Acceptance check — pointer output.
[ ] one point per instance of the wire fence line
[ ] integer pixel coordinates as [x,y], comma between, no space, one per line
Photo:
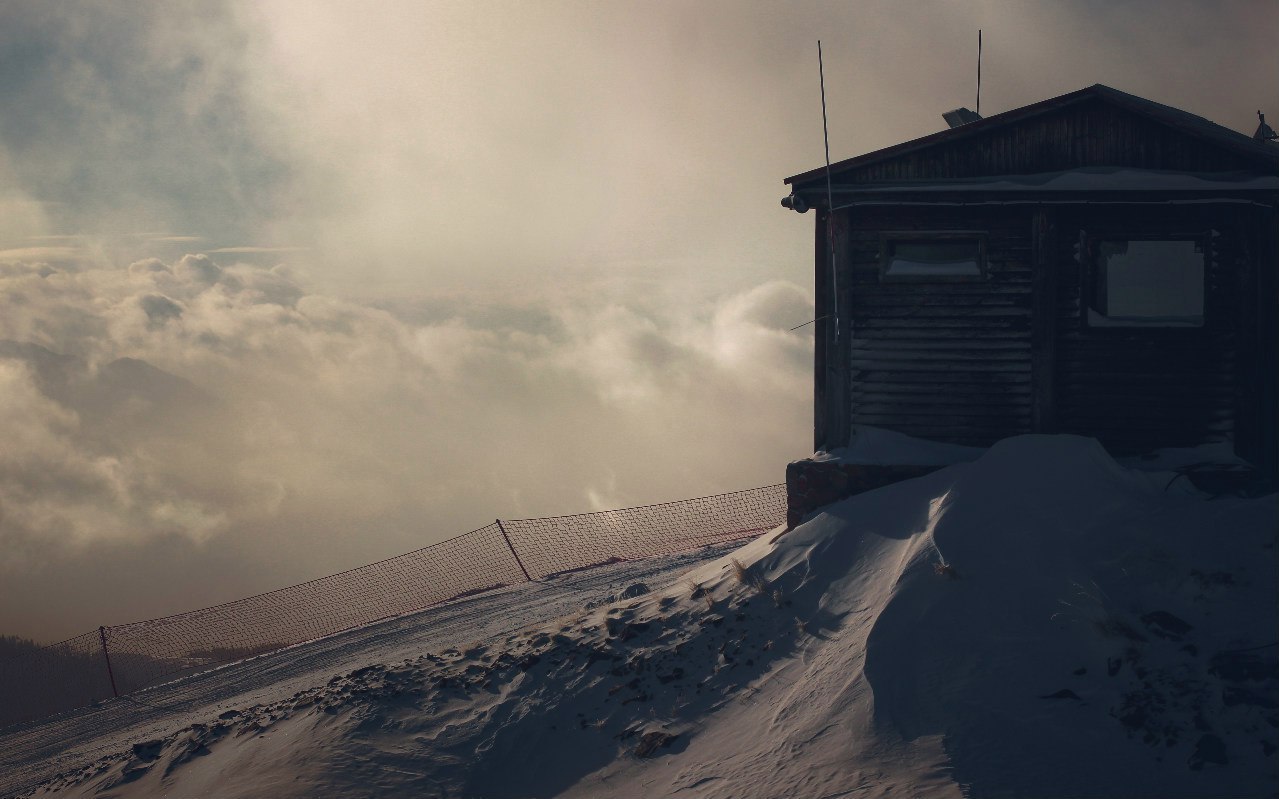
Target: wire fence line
[120,659]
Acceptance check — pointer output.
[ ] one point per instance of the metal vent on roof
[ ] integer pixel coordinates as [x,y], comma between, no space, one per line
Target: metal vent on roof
[1264,131]
[960,116]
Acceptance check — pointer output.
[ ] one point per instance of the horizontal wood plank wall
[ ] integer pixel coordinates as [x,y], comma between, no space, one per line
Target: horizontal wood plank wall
[948,361]
[1142,389]
[1263,449]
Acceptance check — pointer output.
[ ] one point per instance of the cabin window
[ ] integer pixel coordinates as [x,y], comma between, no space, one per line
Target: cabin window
[1147,283]
[933,256]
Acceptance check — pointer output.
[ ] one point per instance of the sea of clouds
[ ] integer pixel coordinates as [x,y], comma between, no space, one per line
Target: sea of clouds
[182,433]
[448,261]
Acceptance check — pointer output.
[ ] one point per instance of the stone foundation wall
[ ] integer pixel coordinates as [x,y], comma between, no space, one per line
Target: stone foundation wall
[811,484]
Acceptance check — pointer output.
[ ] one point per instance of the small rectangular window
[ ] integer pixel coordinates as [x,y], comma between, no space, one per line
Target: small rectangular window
[938,256]
[1147,283]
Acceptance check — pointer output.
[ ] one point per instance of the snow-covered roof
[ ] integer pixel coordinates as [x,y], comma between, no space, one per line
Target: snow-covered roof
[1263,156]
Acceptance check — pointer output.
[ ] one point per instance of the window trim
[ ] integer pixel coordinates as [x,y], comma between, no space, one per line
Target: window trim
[889,237]
[1089,245]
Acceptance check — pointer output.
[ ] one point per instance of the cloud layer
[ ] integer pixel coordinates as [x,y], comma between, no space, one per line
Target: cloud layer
[165,415]
[449,260]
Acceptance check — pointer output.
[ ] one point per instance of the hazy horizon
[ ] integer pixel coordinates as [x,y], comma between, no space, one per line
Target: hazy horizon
[292,287]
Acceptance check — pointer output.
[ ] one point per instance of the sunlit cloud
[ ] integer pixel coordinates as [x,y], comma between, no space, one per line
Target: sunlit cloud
[224,404]
[43,253]
[286,287]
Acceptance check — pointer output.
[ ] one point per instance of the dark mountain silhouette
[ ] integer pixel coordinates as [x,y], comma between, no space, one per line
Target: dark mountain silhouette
[125,391]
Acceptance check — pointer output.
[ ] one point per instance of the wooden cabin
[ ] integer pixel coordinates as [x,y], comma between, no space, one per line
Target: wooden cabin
[1095,263]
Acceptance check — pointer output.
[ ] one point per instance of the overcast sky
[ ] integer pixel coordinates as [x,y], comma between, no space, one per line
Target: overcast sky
[291,286]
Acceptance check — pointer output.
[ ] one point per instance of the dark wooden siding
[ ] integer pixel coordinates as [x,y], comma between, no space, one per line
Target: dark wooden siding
[1142,389]
[952,361]
[949,361]
[1088,134]
[974,362]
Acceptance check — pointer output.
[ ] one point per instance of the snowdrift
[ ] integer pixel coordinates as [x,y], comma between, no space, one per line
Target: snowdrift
[1039,622]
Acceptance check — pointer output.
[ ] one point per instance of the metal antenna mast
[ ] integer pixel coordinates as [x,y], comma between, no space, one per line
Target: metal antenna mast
[979,72]
[830,203]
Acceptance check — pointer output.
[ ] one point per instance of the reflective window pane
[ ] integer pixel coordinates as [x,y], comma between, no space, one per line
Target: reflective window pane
[1148,283]
[933,258]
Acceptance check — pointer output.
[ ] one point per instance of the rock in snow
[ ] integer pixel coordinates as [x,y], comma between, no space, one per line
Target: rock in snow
[1106,636]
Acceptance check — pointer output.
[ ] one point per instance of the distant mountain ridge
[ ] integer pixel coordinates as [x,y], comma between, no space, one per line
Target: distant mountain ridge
[123,389]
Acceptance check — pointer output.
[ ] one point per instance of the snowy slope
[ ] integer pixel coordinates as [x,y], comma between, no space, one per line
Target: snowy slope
[1039,622]
[32,752]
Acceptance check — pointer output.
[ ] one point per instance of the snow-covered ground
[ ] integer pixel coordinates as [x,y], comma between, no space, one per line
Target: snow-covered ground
[40,749]
[1038,622]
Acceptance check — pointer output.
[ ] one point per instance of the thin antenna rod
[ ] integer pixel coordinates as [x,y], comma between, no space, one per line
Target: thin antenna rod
[979,72]
[821,76]
[830,203]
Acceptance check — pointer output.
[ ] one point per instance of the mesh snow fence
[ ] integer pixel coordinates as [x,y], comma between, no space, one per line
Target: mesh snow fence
[559,544]
[110,661]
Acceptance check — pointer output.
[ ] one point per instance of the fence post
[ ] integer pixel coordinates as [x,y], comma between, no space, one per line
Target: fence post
[102,635]
[511,547]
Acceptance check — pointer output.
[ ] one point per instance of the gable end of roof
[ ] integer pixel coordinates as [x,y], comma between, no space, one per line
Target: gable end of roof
[1263,156]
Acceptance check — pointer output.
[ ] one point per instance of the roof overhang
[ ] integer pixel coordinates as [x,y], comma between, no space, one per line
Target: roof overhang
[1077,186]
